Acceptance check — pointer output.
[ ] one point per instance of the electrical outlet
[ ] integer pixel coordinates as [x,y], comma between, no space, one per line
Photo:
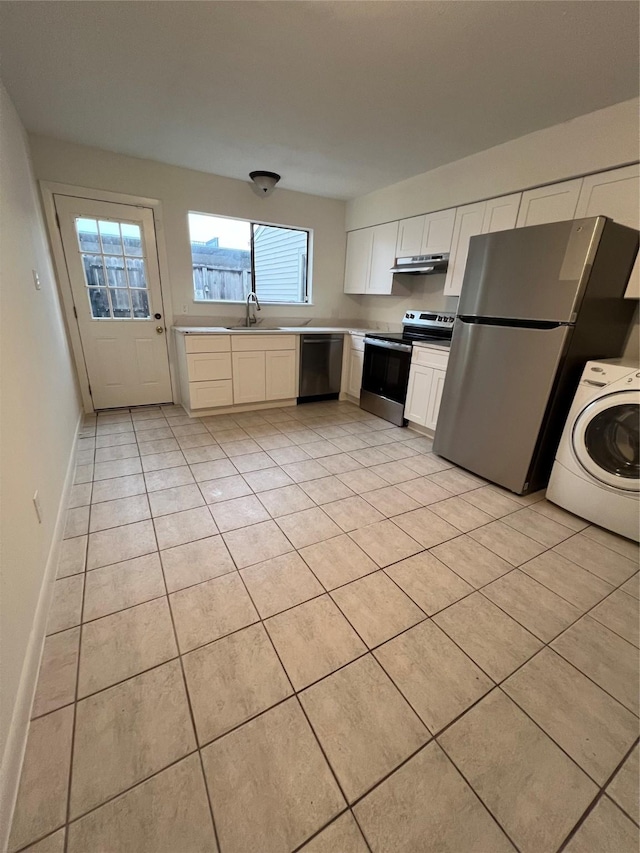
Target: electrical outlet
[38,507]
[36,279]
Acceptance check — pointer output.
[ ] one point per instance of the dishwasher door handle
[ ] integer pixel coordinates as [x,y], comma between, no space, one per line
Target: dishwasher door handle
[316,339]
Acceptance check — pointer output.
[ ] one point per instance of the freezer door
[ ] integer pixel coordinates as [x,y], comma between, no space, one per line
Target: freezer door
[534,273]
[498,387]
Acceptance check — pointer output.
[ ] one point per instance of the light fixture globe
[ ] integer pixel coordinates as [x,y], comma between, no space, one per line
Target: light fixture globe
[265,181]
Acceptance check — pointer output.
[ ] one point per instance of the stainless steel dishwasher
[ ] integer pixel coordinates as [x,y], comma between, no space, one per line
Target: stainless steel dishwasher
[320,367]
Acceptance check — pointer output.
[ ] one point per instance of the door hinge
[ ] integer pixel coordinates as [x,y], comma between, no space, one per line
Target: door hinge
[75,312]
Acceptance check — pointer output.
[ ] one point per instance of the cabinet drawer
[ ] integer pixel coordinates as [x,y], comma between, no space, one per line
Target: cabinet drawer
[208,365]
[207,343]
[357,342]
[262,343]
[208,395]
[428,357]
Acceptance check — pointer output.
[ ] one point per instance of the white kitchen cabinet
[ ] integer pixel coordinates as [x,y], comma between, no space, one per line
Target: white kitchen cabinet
[483,217]
[425,235]
[615,194]
[410,233]
[354,378]
[426,382]
[383,255]
[371,252]
[209,365]
[553,203]
[280,374]
[249,377]
[501,214]
[438,232]
[468,223]
[358,262]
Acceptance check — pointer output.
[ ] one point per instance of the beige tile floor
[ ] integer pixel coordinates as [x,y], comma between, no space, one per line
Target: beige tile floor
[299,629]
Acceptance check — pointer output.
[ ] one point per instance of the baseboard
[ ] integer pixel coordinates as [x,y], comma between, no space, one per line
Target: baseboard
[241,407]
[428,433]
[19,726]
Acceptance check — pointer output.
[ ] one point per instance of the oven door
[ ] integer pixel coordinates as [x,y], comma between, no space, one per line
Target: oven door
[385,378]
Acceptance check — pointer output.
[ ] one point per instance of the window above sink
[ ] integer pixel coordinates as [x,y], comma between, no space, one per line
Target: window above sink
[233,257]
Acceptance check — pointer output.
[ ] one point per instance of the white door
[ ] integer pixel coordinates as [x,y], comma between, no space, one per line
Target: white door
[435,398]
[554,203]
[280,375]
[111,258]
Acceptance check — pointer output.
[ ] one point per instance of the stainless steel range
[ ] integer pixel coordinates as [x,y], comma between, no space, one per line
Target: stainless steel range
[387,358]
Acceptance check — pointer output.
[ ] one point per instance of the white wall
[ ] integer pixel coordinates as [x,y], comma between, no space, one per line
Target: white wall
[600,140]
[38,419]
[181,190]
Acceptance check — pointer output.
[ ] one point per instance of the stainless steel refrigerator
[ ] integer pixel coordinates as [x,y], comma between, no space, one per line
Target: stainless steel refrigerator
[536,304]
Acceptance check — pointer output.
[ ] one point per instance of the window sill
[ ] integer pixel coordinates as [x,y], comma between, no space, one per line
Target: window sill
[244,302]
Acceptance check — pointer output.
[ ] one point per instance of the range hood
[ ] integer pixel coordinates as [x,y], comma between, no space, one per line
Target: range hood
[422,264]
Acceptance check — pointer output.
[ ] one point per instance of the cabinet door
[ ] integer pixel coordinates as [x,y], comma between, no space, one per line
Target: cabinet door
[409,236]
[280,376]
[615,194]
[208,395]
[356,362]
[383,255]
[554,203]
[468,223]
[501,214]
[438,232]
[358,262]
[208,365]
[418,394]
[435,397]
[249,385]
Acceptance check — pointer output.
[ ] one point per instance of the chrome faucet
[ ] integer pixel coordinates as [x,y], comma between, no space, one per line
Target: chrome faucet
[251,320]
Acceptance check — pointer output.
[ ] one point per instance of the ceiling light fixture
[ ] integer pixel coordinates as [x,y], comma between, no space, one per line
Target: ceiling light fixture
[265,181]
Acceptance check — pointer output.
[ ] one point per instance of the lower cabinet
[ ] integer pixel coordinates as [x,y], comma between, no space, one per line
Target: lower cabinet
[426,382]
[280,374]
[226,370]
[354,383]
[249,377]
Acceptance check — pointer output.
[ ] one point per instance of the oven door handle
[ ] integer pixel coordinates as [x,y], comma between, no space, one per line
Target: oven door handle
[374,342]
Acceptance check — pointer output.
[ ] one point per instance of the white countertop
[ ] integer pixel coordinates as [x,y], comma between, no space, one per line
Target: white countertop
[287,330]
[445,345]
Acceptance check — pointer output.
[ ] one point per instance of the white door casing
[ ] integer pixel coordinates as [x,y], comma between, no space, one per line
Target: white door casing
[126,356]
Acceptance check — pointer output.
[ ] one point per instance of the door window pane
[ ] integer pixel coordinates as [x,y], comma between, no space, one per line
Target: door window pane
[120,303]
[88,238]
[135,270]
[102,243]
[140,304]
[131,238]
[110,236]
[116,276]
[99,302]
[93,269]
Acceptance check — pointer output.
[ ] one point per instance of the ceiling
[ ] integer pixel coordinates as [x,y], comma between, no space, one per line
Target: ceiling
[339,97]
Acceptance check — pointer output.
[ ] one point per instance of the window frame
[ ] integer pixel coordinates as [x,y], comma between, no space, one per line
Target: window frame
[308,290]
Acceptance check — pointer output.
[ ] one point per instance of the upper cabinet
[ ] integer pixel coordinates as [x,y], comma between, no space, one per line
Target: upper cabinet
[371,253]
[358,262]
[425,235]
[549,204]
[615,194]
[497,214]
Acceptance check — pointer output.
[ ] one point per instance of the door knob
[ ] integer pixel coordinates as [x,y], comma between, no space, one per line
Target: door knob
[159,329]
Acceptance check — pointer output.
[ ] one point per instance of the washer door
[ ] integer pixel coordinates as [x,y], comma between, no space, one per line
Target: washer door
[606,440]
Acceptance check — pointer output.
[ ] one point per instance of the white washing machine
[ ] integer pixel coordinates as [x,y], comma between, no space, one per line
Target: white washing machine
[596,474]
